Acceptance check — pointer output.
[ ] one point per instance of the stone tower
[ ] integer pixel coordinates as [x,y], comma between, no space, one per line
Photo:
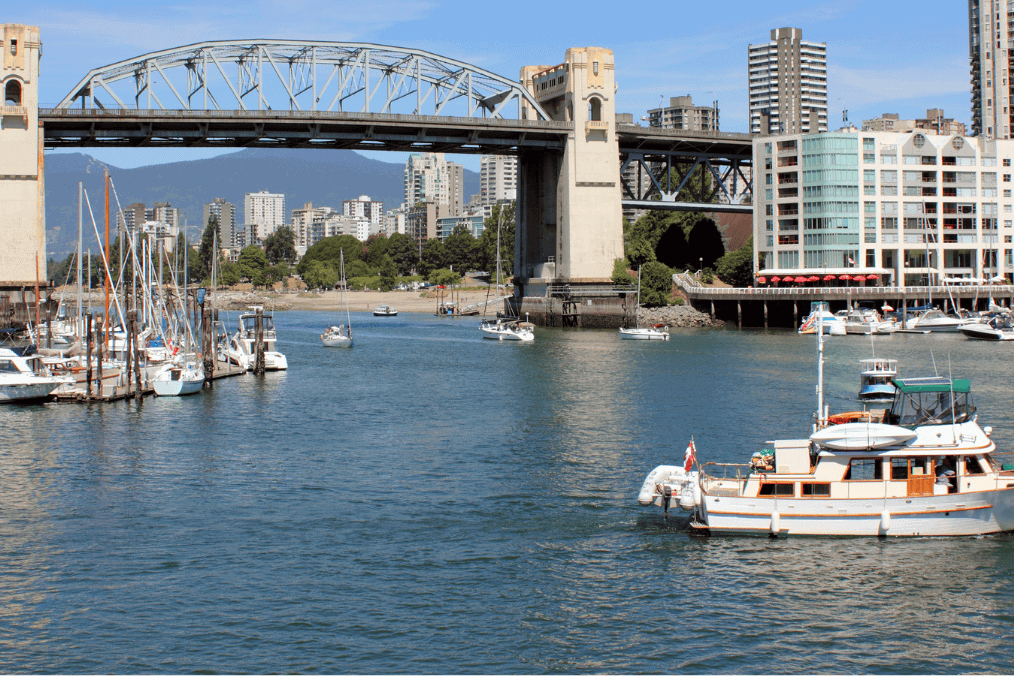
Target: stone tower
[22,198]
[570,227]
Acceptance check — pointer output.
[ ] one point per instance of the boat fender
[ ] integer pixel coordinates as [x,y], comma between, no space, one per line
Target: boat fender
[776,523]
[697,494]
[687,499]
[885,522]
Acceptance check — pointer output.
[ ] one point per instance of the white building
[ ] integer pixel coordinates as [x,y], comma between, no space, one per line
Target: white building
[907,207]
[788,84]
[264,212]
[683,114]
[394,221]
[306,223]
[431,178]
[364,207]
[225,212]
[168,214]
[498,178]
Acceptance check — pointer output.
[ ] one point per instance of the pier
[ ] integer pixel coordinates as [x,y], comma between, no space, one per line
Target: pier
[117,391]
[786,307]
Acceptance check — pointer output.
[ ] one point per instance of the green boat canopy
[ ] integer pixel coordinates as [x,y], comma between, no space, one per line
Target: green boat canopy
[936,384]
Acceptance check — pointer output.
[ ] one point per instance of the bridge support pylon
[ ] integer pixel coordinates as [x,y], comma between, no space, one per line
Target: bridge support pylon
[22,194]
[569,209]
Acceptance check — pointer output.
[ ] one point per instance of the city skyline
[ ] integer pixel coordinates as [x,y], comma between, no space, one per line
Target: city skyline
[866,76]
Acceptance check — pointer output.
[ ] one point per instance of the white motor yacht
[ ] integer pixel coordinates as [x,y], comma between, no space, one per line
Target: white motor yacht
[507,329]
[819,314]
[22,379]
[241,349]
[998,327]
[934,321]
[385,311]
[876,376]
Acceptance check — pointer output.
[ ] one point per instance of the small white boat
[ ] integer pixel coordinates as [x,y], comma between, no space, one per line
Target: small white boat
[861,436]
[241,348]
[998,327]
[21,379]
[654,332]
[833,325]
[340,336]
[178,380]
[507,329]
[385,311]
[875,376]
[934,321]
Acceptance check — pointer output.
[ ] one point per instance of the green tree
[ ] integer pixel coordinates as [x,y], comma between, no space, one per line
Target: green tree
[620,274]
[445,277]
[376,248]
[656,284]
[357,269]
[328,250]
[205,253]
[228,273]
[281,246]
[432,257]
[736,267]
[252,264]
[460,249]
[320,275]
[504,215]
[388,274]
[404,252]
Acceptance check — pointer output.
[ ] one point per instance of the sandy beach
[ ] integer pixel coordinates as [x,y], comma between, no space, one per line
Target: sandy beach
[362,301]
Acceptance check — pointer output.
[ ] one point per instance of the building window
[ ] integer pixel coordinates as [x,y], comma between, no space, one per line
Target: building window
[14,47]
[869,144]
[595,108]
[12,93]
[1006,162]
[1006,178]
[869,158]
[595,67]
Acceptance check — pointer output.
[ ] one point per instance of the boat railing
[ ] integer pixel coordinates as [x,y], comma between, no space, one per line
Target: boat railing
[725,469]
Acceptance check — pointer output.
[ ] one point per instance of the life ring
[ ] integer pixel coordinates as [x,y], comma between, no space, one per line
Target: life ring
[851,416]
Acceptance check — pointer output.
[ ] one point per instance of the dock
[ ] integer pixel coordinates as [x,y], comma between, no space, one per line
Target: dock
[117,392]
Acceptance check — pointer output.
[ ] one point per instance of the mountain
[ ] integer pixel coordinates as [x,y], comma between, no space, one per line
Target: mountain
[323,177]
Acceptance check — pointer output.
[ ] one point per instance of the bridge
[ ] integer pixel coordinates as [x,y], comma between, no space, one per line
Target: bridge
[577,166]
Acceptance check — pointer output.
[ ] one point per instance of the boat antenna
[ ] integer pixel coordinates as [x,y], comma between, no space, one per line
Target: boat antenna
[950,377]
[935,371]
[820,370]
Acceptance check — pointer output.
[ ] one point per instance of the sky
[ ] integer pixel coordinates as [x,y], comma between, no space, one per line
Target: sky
[900,57]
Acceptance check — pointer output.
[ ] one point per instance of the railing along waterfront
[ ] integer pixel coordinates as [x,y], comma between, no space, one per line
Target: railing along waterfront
[695,290]
[588,289]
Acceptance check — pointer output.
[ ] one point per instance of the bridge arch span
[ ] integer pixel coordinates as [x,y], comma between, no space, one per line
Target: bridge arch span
[302,75]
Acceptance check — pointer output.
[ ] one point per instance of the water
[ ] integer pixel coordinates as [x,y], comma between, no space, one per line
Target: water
[432,502]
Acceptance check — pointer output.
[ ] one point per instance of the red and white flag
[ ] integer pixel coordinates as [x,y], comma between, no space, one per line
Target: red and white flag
[852,262]
[689,456]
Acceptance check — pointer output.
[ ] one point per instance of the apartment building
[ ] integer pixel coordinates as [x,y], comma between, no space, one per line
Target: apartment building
[788,84]
[910,207]
[263,213]
[935,121]
[225,212]
[429,177]
[447,224]
[133,216]
[394,221]
[163,212]
[498,178]
[364,207]
[990,24]
[683,114]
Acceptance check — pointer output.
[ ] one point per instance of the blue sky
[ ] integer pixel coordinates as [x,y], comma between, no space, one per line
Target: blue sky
[901,57]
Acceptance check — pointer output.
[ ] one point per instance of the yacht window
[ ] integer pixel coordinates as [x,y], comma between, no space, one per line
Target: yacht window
[932,408]
[899,468]
[777,489]
[864,469]
[816,490]
[7,365]
[972,465]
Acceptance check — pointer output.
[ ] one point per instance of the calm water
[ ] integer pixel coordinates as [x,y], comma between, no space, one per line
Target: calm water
[433,502]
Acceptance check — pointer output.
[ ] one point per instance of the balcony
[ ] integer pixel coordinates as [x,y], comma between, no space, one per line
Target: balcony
[595,125]
[15,111]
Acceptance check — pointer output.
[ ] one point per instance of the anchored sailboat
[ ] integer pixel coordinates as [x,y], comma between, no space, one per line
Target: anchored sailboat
[340,336]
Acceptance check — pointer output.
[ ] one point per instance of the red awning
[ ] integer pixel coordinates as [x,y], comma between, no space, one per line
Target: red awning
[763,280]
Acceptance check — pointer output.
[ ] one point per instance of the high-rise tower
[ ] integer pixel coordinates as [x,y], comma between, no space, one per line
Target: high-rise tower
[989,37]
[788,84]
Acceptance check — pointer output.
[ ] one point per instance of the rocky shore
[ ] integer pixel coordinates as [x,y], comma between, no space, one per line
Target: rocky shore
[241,300]
[682,316]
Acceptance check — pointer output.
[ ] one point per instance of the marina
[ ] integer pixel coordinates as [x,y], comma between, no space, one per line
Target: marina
[283,524]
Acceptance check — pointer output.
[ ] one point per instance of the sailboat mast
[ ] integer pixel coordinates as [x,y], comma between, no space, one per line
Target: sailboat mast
[637,320]
[80,241]
[345,295]
[820,369]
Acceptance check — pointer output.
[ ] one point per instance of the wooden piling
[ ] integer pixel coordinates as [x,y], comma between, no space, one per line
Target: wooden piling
[99,339]
[208,346]
[712,310]
[739,313]
[88,353]
[765,314]
[259,342]
[129,348]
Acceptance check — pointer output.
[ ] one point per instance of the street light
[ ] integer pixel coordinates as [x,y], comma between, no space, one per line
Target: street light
[701,266]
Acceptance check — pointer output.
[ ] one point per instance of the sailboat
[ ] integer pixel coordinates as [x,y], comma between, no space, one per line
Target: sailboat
[340,336]
[656,332]
[504,328]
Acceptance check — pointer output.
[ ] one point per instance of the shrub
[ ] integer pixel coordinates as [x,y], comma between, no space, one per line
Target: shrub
[656,284]
[620,274]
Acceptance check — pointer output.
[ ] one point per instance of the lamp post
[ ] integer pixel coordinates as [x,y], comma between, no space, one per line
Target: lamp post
[700,267]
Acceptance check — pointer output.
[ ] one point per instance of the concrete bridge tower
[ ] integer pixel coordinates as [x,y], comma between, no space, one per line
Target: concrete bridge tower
[22,197]
[569,223]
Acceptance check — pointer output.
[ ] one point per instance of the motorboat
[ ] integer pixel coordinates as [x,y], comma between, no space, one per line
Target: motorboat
[341,335]
[385,311]
[923,467]
[833,325]
[507,329]
[935,321]
[998,327]
[653,332]
[875,379]
[241,349]
[179,379]
[866,321]
[22,379]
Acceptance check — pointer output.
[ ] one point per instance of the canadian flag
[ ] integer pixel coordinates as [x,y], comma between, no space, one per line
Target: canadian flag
[852,262]
[688,456]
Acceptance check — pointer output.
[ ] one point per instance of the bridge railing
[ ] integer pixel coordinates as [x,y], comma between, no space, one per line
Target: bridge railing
[588,289]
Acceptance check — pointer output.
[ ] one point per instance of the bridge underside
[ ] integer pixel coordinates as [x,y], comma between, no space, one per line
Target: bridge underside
[297,129]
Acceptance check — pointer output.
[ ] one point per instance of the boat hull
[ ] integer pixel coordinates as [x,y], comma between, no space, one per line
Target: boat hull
[643,334]
[177,388]
[340,341]
[26,392]
[985,332]
[521,336]
[957,514]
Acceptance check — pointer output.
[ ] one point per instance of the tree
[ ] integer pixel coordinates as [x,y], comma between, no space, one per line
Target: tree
[503,215]
[656,284]
[228,273]
[460,249]
[281,246]
[328,250]
[376,247]
[736,267]
[445,277]
[357,269]
[205,253]
[620,274]
[404,252]
[678,239]
[388,274]
[320,275]
[432,257]
[252,264]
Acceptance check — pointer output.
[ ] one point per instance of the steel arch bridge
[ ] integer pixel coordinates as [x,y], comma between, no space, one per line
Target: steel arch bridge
[301,75]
